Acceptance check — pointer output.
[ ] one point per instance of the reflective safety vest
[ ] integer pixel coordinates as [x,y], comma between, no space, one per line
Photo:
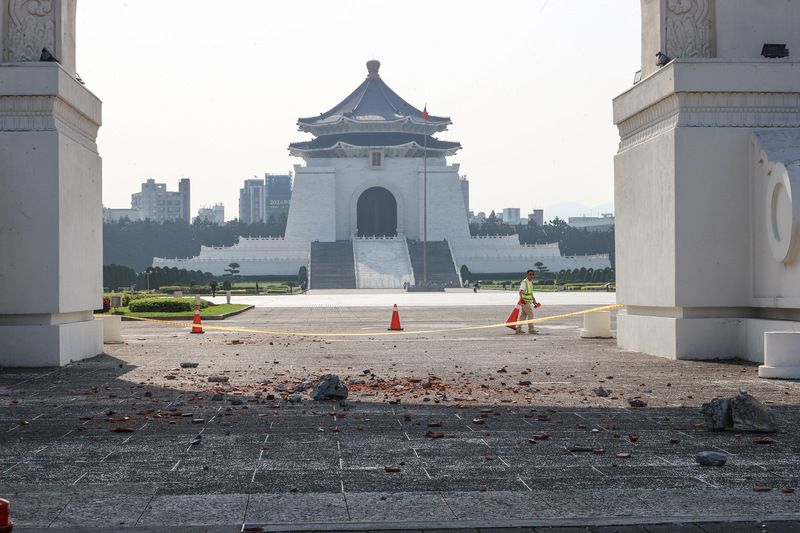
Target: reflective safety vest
[527,294]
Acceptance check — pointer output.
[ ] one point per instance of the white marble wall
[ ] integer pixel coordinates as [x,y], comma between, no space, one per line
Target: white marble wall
[447,214]
[312,213]
[50,171]
[256,256]
[326,195]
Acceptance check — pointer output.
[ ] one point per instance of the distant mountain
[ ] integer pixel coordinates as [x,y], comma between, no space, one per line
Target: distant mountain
[565,210]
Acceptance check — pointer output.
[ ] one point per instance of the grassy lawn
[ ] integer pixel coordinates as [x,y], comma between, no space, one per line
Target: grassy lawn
[214,310]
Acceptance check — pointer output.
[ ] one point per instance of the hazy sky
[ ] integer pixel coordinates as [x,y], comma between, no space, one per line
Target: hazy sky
[212,90]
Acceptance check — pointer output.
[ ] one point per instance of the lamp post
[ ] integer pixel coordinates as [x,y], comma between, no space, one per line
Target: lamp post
[425,199]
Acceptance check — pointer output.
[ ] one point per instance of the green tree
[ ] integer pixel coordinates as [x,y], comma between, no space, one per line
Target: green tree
[465,273]
[115,276]
[213,285]
[226,285]
[232,270]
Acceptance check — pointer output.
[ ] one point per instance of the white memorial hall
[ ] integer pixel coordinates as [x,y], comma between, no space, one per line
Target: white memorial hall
[357,216]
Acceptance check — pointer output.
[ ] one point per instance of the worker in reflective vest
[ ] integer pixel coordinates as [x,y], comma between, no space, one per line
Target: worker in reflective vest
[527,301]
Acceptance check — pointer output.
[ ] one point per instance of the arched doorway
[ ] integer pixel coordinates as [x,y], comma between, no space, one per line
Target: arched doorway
[376,213]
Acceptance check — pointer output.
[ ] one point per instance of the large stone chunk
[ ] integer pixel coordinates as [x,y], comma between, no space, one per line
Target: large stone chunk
[718,414]
[740,413]
[751,415]
[329,387]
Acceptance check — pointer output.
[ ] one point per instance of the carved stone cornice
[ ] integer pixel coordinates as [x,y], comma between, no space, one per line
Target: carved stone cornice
[711,110]
[650,122]
[47,113]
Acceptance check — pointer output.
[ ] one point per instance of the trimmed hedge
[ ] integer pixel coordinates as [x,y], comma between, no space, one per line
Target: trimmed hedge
[163,305]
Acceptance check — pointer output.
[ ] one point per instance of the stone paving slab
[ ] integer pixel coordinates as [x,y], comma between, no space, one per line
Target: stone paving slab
[322,465]
[749,526]
[194,509]
[95,510]
[297,508]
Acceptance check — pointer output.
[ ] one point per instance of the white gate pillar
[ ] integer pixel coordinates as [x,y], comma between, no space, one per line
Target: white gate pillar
[50,178]
[707,181]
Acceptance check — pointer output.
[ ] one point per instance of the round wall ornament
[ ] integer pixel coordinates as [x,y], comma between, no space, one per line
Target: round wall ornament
[783,214]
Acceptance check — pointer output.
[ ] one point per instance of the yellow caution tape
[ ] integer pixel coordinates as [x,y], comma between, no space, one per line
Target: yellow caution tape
[382,333]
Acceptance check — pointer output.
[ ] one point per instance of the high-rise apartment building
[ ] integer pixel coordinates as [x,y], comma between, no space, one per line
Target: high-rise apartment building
[251,201]
[265,200]
[277,196]
[510,215]
[537,217]
[156,203]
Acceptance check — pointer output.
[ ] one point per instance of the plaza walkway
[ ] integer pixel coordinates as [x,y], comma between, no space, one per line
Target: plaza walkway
[468,430]
[387,297]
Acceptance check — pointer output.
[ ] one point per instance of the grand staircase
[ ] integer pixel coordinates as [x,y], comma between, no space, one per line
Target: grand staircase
[441,270]
[382,263]
[332,265]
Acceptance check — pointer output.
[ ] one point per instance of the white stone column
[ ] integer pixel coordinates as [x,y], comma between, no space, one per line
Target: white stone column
[50,206]
[703,134]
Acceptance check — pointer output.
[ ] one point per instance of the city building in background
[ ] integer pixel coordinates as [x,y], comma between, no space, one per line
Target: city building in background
[277,196]
[215,215]
[480,218]
[156,203]
[251,201]
[113,215]
[604,222]
[510,216]
[537,217]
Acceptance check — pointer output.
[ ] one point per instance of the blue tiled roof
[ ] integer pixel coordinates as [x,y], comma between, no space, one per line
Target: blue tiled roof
[374,139]
[373,100]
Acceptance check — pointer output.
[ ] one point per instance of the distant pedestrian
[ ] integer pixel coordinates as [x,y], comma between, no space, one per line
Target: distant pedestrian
[528,301]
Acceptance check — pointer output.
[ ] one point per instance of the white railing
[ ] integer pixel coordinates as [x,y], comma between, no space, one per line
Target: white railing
[458,268]
[398,237]
[355,262]
[410,265]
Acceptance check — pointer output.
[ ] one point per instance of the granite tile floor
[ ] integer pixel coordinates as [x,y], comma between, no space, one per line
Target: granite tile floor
[114,444]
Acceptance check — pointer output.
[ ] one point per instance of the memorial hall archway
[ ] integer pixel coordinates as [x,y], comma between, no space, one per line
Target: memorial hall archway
[377,213]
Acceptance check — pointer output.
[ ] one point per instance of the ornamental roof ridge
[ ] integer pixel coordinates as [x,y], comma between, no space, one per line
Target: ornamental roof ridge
[372,101]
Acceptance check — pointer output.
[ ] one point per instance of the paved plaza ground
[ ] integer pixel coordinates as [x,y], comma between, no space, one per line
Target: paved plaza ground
[444,427]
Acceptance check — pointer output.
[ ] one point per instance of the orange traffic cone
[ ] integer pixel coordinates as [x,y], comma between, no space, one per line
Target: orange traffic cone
[395,325]
[6,525]
[514,316]
[197,326]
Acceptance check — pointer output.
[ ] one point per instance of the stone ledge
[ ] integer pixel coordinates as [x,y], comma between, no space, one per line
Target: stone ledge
[697,75]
